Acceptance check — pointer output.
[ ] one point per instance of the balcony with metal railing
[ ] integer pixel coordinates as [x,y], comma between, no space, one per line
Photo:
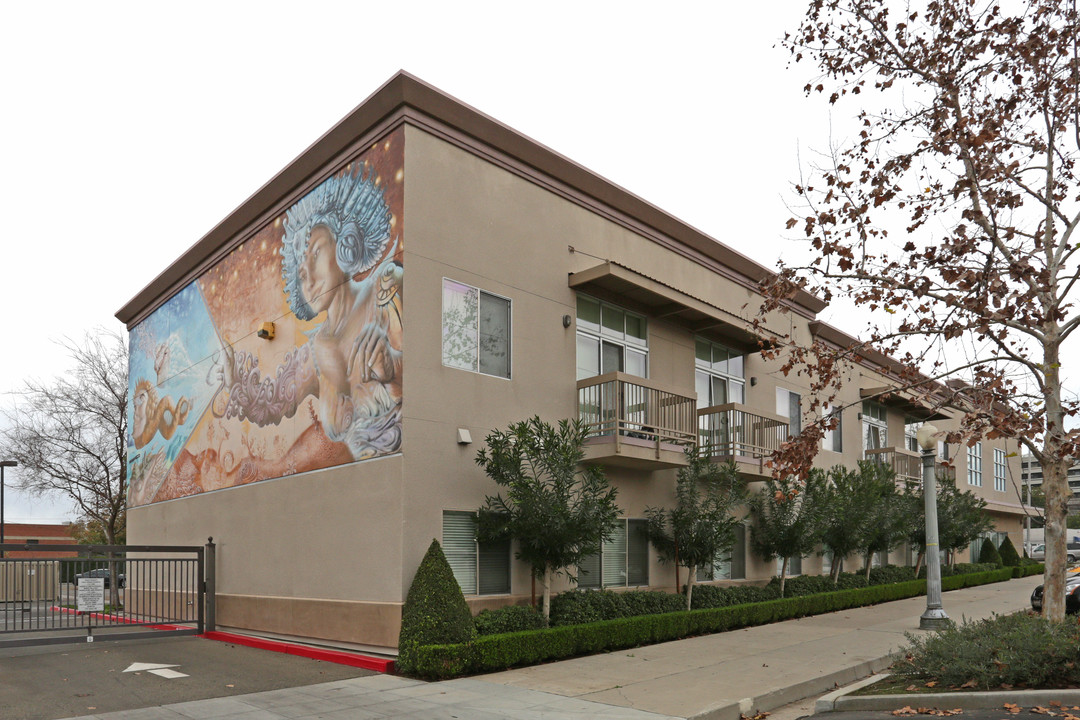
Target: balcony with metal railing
[736,432]
[635,422]
[907,464]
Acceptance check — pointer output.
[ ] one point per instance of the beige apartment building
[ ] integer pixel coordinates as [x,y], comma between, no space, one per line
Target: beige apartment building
[311,381]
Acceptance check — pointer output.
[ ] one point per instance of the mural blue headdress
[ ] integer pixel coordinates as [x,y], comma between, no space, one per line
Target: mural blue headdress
[353,209]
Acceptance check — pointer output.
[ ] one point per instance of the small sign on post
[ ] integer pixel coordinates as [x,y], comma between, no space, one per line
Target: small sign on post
[90,595]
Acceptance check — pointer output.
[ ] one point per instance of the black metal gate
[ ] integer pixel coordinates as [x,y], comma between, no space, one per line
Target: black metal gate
[73,593]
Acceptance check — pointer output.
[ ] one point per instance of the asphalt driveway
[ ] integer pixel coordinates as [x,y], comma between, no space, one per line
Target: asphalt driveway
[61,681]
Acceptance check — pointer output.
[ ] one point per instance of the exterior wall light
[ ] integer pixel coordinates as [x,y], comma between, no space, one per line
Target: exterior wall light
[266,331]
[566,320]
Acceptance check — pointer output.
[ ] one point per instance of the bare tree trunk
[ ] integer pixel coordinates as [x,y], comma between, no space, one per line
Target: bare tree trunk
[869,559]
[919,561]
[1055,484]
[834,573]
[783,576]
[690,577]
[547,593]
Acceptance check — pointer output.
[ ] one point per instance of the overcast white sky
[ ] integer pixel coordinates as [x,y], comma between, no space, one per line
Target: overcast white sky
[131,129]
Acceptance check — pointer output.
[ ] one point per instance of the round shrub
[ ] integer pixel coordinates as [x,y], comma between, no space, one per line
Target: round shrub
[1009,556]
[989,554]
[435,611]
[512,618]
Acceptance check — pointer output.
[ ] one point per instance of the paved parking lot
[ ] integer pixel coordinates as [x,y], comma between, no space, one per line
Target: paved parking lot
[61,681]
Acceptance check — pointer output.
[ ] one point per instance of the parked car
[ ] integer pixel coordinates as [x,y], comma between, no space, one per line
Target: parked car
[1039,552]
[1072,595]
[101,573]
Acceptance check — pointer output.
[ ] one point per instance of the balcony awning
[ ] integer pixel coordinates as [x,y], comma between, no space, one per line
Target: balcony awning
[615,282]
[905,403]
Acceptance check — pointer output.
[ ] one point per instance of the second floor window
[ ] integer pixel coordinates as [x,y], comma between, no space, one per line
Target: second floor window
[911,434]
[475,330]
[974,463]
[875,426]
[718,374]
[789,405]
[999,469]
[833,439]
[610,339]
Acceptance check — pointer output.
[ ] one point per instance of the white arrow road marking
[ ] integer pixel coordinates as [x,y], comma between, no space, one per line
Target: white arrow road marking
[156,669]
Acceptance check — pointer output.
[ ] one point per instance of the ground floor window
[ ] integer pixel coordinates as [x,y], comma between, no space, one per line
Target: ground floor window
[794,566]
[976,545]
[729,566]
[480,568]
[623,561]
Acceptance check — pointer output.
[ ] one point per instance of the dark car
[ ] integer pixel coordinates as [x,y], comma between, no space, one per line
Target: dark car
[101,573]
[1072,595]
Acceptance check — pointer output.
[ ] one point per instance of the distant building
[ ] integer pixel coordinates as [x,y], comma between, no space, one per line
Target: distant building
[1031,471]
[31,534]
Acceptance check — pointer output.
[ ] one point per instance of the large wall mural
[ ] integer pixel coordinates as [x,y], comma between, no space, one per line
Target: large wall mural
[212,405]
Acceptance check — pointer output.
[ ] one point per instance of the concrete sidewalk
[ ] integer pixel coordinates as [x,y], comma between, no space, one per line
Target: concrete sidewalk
[718,676]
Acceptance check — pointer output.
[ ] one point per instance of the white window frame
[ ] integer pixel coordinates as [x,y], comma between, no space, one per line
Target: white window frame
[477,365]
[601,334]
[1000,469]
[709,370]
[833,440]
[871,420]
[459,558]
[974,465]
[783,408]
[597,579]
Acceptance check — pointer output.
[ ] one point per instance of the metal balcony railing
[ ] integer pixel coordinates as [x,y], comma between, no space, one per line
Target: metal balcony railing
[735,430]
[626,408]
[906,464]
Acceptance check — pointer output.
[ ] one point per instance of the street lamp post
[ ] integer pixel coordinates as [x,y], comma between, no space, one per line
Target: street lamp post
[3,464]
[934,617]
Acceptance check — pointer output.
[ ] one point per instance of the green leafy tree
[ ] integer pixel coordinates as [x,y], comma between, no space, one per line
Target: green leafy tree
[961,518]
[886,520]
[558,511]
[700,526]
[88,531]
[847,507]
[787,519]
[435,611]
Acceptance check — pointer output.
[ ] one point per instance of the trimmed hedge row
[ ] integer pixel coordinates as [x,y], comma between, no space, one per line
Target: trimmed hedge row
[497,652]
[1020,571]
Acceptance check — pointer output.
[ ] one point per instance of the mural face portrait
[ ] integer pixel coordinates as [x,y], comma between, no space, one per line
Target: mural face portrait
[319,272]
[214,407]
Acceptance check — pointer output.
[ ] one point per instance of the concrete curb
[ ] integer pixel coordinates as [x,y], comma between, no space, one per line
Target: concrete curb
[799,691]
[841,701]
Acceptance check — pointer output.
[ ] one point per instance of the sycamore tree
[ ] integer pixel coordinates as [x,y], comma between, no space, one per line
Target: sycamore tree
[787,519]
[950,212]
[557,510]
[700,528]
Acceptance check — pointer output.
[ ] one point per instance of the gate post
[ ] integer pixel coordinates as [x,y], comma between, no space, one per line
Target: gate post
[211,585]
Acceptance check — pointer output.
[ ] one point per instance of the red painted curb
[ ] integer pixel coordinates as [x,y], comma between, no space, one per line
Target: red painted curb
[340,657]
[114,618]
